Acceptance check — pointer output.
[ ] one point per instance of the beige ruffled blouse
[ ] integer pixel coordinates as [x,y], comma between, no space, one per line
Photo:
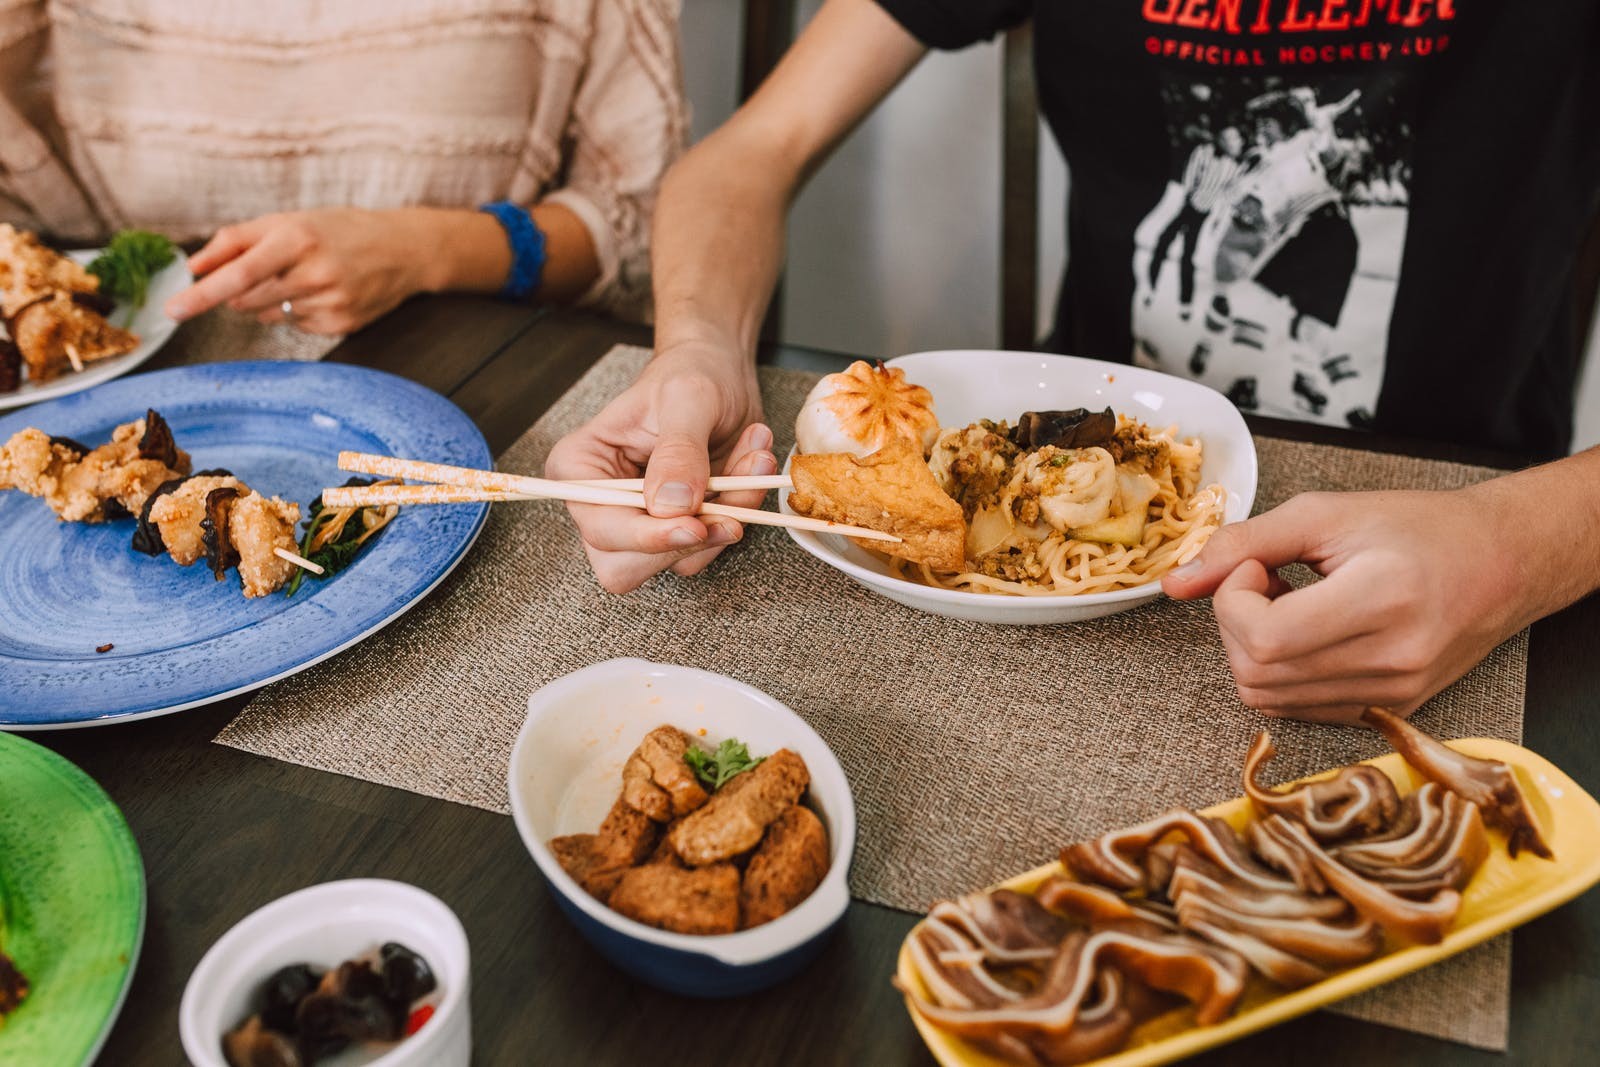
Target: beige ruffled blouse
[185,115]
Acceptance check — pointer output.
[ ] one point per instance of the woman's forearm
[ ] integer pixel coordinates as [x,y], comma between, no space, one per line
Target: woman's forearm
[467,251]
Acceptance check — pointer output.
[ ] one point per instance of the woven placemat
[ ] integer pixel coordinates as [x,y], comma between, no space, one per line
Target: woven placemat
[223,335]
[973,751]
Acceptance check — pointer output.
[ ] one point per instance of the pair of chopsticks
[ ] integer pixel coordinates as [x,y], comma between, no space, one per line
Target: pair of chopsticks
[461,485]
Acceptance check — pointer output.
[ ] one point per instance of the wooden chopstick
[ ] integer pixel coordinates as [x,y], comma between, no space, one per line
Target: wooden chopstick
[721,484]
[494,486]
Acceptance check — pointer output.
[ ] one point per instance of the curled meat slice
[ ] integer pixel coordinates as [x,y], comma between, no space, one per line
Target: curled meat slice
[1114,859]
[1444,847]
[1007,926]
[1212,979]
[953,968]
[1191,870]
[1354,800]
[1423,921]
[1489,784]
[1095,905]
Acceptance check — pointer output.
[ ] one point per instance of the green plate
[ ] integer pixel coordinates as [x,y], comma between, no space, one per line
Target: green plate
[71,906]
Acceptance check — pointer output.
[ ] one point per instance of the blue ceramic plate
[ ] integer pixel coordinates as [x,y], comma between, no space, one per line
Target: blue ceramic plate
[179,638]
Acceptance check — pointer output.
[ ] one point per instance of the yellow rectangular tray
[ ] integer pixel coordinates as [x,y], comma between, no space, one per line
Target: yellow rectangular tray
[1503,894]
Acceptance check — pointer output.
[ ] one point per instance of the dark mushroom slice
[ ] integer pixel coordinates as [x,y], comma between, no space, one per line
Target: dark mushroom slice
[253,1045]
[220,551]
[406,976]
[68,443]
[282,993]
[1078,428]
[10,366]
[101,304]
[147,535]
[348,1005]
[157,442]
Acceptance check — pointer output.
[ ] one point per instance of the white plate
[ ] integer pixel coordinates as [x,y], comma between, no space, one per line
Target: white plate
[969,385]
[150,323]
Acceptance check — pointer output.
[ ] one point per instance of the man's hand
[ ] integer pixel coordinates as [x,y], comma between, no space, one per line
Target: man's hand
[691,410]
[1417,587]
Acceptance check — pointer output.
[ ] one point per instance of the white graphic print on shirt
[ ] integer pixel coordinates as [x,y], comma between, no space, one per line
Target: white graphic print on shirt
[1268,267]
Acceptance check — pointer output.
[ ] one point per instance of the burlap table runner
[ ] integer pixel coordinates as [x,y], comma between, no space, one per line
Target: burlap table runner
[222,335]
[973,751]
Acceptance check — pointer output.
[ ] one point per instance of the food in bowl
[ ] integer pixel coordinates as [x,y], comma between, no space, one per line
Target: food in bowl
[862,408]
[1059,503]
[303,1015]
[1329,874]
[702,842]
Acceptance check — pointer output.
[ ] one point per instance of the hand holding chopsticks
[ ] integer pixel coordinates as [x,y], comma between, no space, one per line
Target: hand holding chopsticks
[455,485]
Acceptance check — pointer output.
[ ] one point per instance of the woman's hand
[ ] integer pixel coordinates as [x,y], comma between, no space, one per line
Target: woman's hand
[340,267]
[1417,587]
[693,409]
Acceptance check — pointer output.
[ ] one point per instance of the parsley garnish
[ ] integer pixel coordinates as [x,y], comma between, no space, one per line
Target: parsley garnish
[715,768]
[129,262]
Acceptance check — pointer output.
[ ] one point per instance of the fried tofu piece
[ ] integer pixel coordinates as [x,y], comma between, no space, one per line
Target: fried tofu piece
[891,490]
[94,485]
[740,812]
[28,268]
[33,463]
[786,868]
[597,861]
[56,334]
[257,525]
[178,513]
[702,901]
[657,781]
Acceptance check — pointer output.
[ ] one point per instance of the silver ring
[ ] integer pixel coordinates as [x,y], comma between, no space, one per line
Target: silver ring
[287,307]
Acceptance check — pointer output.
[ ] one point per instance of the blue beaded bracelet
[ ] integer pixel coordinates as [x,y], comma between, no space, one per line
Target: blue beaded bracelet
[527,248]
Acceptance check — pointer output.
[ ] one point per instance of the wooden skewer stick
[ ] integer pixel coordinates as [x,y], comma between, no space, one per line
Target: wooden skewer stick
[496,486]
[721,484]
[74,357]
[298,560]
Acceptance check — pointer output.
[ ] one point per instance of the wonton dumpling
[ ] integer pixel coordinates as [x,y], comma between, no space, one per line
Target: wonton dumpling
[863,408]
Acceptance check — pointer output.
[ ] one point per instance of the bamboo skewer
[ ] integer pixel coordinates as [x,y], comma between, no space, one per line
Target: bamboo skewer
[495,486]
[298,560]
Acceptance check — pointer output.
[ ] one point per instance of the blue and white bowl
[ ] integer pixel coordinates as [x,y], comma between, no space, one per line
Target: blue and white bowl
[566,772]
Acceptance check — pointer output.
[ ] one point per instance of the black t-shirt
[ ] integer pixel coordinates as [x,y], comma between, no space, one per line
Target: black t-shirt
[1362,212]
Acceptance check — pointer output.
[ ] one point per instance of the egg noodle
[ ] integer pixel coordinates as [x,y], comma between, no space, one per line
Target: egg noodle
[1181,518]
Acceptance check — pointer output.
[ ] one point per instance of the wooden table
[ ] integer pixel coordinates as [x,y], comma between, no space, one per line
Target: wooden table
[224,832]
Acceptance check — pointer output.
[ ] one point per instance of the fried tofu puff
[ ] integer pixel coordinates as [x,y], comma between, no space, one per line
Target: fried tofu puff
[735,818]
[657,781]
[786,869]
[56,334]
[177,514]
[597,861]
[95,484]
[257,526]
[700,901]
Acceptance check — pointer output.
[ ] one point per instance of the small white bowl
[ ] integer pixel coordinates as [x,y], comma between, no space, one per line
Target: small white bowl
[566,772]
[325,925]
[972,385]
